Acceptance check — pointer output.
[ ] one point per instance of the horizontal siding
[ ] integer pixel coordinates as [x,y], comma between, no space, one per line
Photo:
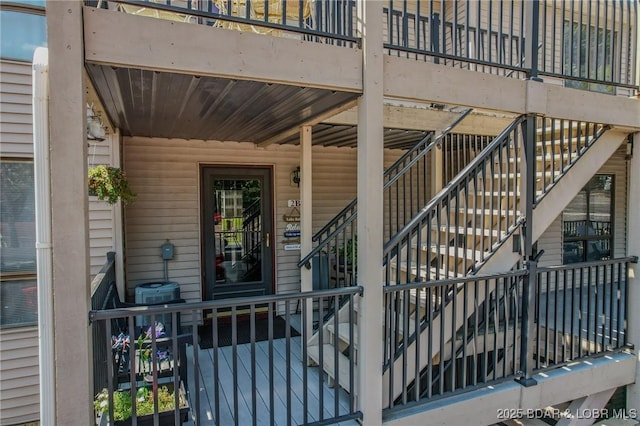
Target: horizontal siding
[165,174]
[19,382]
[16,129]
[551,240]
[101,214]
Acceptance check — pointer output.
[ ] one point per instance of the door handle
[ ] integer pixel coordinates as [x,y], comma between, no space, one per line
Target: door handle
[267,239]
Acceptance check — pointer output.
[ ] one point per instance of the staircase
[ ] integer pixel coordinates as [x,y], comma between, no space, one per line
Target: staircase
[470,227]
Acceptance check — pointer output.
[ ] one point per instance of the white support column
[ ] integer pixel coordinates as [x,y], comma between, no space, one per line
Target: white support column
[69,213]
[370,217]
[633,249]
[306,219]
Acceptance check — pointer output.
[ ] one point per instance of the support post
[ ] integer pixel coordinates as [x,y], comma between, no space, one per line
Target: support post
[69,215]
[306,219]
[633,249]
[531,38]
[370,216]
[530,285]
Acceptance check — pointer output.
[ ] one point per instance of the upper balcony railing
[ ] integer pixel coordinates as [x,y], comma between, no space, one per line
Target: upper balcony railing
[321,21]
[590,45]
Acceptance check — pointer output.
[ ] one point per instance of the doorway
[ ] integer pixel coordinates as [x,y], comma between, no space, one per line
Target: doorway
[237,222]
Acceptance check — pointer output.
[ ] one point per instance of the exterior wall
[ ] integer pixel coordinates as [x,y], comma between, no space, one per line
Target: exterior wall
[19,393]
[551,240]
[16,130]
[102,223]
[165,175]
[19,382]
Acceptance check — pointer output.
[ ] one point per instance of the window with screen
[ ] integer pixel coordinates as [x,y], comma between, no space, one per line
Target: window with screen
[18,290]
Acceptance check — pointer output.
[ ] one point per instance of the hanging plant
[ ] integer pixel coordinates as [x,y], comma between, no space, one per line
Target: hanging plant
[110,184]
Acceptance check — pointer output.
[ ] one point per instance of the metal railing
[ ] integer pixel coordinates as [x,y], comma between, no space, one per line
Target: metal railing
[406,191]
[464,222]
[581,310]
[101,287]
[472,335]
[247,366]
[321,21]
[592,45]
[559,144]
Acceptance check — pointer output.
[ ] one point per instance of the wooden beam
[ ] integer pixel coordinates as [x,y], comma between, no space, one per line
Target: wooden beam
[311,122]
[131,41]
[413,118]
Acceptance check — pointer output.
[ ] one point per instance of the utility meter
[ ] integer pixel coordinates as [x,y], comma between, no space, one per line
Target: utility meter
[167,251]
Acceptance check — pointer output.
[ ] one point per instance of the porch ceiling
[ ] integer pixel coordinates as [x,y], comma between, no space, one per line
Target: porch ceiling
[346,135]
[172,105]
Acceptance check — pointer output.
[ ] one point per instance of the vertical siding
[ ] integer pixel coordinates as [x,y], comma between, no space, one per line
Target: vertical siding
[165,174]
[551,240]
[19,392]
[16,130]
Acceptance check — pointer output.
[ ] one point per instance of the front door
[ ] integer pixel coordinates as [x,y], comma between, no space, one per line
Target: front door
[237,231]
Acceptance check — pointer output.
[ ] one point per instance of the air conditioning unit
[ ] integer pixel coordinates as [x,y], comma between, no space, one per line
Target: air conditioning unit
[155,293]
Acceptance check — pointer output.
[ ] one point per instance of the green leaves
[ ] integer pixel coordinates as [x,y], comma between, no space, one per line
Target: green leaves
[110,184]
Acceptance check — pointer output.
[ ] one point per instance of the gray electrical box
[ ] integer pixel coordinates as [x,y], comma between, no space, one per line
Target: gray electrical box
[167,251]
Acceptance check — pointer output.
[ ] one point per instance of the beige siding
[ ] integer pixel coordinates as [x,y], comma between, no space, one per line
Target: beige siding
[165,174]
[19,393]
[19,375]
[551,240]
[16,134]
[101,214]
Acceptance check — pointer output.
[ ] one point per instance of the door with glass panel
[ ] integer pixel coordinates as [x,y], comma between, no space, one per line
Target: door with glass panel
[237,232]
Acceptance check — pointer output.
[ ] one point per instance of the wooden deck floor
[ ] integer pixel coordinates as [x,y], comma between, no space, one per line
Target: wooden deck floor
[332,399]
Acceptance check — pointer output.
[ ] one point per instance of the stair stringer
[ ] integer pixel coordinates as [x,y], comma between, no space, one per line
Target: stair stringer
[503,258]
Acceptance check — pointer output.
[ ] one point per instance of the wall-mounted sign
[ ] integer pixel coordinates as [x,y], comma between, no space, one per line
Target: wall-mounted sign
[289,247]
[293,226]
[294,203]
[290,234]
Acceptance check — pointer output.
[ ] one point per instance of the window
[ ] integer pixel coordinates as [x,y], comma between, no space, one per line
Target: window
[20,34]
[587,222]
[18,295]
[587,54]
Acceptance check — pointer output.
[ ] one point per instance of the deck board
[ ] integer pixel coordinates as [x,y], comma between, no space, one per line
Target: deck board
[263,401]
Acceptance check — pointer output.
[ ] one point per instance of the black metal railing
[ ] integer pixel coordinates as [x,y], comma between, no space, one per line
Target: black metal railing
[592,45]
[461,226]
[102,287]
[406,191]
[247,365]
[469,335]
[321,21]
[581,310]
[458,150]
[559,144]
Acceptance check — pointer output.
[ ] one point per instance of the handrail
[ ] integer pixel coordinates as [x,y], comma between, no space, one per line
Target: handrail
[95,315]
[317,249]
[300,28]
[398,169]
[425,151]
[329,224]
[453,183]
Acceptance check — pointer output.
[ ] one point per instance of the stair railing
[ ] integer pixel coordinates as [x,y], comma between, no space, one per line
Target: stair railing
[406,192]
[460,226]
[559,144]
